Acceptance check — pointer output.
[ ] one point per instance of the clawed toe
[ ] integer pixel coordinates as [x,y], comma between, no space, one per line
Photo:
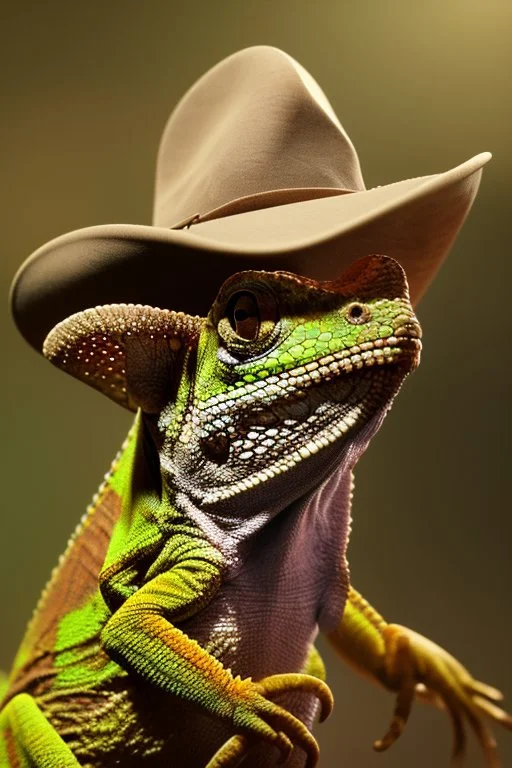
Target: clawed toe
[257,718]
[286,683]
[416,666]
[231,754]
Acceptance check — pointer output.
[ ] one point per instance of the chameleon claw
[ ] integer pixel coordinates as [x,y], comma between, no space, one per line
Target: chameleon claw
[286,748]
[466,702]
[494,712]
[487,691]
[418,667]
[259,718]
[459,735]
[403,707]
[236,749]
[301,735]
[399,666]
[231,754]
[276,684]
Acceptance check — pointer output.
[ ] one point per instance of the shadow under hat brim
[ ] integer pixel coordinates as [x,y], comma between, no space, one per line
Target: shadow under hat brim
[415,221]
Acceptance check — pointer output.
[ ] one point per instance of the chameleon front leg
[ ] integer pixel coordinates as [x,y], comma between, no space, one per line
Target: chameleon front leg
[142,636]
[27,740]
[410,664]
[234,751]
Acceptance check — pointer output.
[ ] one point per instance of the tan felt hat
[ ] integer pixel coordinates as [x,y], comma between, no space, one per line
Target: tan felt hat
[254,172]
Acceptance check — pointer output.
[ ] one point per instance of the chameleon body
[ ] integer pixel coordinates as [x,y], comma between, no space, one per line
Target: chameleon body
[179,627]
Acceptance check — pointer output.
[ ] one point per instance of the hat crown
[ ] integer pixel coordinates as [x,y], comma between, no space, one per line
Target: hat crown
[255,123]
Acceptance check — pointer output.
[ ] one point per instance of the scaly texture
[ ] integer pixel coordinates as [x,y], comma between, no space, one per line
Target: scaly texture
[178,628]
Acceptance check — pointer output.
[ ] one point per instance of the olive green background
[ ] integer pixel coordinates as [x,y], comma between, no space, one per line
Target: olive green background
[420,87]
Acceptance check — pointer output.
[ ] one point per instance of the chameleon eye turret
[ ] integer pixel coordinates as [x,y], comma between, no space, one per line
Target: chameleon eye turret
[247,322]
[357,313]
[244,316]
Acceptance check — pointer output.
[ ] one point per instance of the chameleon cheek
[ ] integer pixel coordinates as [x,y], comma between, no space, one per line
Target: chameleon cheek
[216,447]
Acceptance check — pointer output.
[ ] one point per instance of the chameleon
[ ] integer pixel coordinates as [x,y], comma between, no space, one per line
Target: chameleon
[178,628]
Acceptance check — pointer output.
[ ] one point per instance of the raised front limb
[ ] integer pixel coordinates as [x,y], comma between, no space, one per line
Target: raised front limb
[142,636]
[410,664]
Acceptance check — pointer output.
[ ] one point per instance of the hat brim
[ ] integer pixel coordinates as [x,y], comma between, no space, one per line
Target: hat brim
[414,221]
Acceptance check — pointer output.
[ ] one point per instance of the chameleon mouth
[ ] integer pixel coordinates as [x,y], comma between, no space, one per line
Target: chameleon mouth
[304,410]
[284,393]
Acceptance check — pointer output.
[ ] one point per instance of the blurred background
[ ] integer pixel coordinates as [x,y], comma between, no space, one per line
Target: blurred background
[420,87]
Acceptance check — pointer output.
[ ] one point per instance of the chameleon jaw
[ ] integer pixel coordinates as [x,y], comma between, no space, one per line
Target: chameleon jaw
[404,348]
[293,390]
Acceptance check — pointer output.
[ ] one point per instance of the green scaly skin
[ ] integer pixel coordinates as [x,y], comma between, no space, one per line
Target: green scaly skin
[191,593]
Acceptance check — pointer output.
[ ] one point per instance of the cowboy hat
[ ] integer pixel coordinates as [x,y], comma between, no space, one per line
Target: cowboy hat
[254,171]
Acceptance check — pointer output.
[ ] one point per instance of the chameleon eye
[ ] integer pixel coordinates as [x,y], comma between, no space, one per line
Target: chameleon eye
[244,316]
[357,313]
[248,322]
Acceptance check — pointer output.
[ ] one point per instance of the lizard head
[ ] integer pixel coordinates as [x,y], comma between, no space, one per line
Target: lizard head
[288,371]
[285,376]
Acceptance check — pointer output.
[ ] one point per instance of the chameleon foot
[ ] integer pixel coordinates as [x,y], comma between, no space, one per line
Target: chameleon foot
[296,681]
[259,718]
[416,666]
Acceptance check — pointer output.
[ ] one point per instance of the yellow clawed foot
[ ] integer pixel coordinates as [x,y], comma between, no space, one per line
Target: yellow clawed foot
[416,666]
[255,716]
